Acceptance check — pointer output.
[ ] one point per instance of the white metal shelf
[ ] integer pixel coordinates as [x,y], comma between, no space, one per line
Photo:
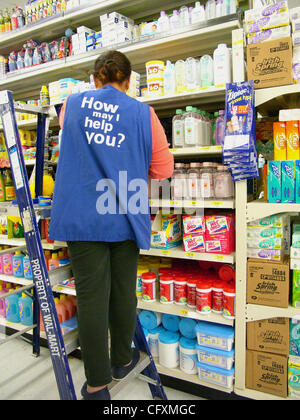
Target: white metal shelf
[87,14]
[259,312]
[4,240]
[271,100]
[256,395]
[196,204]
[258,209]
[179,374]
[173,47]
[178,252]
[198,151]
[183,311]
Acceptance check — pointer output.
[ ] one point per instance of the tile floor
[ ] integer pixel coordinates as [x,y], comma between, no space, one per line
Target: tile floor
[25,377]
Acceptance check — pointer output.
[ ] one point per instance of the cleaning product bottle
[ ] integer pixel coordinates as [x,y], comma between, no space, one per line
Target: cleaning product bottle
[222,65]
[7,264]
[2,301]
[12,308]
[220,127]
[2,188]
[184,16]
[17,260]
[169,78]
[207,71]
[53,261]
[68,306]
[191,74]
[198,13]
[219,8]
[47,254]
[232,6]
[163,23]
[7,21]
[213,140]
[37,57]
[226,7]
[14,19]
[25,309]
[190,127]
[175,20]
[178,129]
[61,311]
[27,268]
[180,76]
[44,96]
[210,9]
[2,24]
[10,192]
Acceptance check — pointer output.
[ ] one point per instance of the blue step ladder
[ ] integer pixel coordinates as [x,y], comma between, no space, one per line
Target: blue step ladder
[145,369]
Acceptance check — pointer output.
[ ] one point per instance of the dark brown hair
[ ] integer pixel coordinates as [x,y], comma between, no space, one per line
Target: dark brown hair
[112,66]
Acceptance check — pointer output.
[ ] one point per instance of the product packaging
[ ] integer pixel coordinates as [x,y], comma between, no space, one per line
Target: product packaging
[166,231]
[270,63]
[269,335]
[268,282]
[266,372]
[268,35]
[239,147]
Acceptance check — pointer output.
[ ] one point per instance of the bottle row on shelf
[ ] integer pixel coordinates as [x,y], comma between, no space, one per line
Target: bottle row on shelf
[201,180]
[203,287]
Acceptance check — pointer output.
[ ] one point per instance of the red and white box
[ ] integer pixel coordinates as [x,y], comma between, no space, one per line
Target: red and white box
[219,234]
[193,225]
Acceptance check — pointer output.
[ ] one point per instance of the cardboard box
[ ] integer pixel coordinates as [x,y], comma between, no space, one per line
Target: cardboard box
[267,372]
[270,63]
[269,335]
[268,282]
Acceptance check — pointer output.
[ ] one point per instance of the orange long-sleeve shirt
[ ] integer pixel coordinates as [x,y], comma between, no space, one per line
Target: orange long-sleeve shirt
[162,161]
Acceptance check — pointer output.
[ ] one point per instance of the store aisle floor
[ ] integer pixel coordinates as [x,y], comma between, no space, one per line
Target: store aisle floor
[24,377]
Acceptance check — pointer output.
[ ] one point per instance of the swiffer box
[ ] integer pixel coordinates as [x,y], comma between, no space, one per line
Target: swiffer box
[269,335]
[270,63]
[267,372]
[268,282]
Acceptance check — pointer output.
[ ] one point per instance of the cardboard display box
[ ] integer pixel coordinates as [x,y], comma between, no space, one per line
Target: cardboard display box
[268,282]
[269,335]
[270,63]
[267,372]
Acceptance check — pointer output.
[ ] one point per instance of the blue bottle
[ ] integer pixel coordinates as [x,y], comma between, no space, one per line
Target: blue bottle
[17,260]
[12,309]
[27,268]
[25,310]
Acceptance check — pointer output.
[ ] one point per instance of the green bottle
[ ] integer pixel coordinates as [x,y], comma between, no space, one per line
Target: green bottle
[2,188]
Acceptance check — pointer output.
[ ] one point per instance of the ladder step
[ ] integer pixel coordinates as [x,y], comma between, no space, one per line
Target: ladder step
[116,386]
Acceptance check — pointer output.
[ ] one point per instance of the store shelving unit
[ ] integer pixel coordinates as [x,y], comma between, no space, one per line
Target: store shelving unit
[178,252]
[192,42]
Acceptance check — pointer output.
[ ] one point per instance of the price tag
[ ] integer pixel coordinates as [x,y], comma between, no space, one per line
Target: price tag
[204,87]
[218,148]
[217,203]
[219,86]
[219,257]
[193,203]
[205,148]
[190,254]
[165,252]
[173,150]
[175,203]
[184,312]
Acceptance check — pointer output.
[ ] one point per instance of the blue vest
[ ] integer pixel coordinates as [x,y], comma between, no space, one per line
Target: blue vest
[105,154]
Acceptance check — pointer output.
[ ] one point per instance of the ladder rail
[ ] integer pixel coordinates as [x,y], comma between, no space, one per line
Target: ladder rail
[34,246]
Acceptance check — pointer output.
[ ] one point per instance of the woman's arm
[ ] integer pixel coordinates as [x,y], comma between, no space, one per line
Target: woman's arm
[162,162]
